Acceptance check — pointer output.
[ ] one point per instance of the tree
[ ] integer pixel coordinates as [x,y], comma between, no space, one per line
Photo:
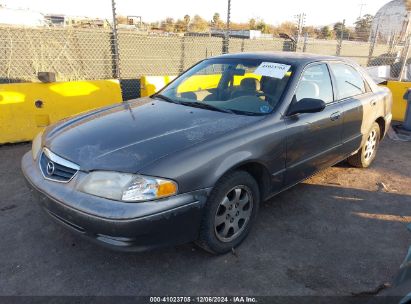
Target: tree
[363,27]
[326,33]
[199,24]
[262,26]
[341,29]
[217,23]
[167,25]
[252,24]
[187,20]
[155,25]
[289,28]
[180,26]
[238,26]
[311,31]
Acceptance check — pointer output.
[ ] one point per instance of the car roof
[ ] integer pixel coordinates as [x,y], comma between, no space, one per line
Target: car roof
[299,59]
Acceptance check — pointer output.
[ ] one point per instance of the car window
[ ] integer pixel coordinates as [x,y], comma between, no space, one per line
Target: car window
[349,82]
[315,83]
[239,86]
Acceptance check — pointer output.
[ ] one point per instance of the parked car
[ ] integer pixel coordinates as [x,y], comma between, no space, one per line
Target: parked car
[194,161]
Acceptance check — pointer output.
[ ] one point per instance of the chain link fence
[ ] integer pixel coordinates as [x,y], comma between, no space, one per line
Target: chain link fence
[87,54]
[72,54]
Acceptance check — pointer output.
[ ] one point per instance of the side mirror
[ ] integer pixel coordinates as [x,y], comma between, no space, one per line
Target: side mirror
[306,105]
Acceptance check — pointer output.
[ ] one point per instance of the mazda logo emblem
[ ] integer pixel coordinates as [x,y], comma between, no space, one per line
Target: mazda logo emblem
[50,168]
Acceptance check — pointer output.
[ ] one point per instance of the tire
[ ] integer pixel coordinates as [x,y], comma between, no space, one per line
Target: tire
[366,155]
[230,212]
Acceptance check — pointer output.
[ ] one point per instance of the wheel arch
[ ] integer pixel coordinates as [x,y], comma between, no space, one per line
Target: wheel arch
[258,171]
[381,122]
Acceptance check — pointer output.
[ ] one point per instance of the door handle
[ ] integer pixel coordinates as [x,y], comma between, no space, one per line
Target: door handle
[335,116]
[373,102]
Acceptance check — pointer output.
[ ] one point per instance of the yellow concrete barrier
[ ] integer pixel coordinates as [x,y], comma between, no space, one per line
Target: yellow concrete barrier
[152,84]
[399,105]
[26,108]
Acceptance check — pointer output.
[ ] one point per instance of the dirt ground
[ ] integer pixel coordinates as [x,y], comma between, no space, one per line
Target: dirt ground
[343,231]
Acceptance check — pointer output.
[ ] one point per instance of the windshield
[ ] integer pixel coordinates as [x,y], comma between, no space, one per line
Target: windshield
[240,86]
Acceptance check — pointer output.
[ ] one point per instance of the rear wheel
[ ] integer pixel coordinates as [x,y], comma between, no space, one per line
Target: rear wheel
[366,155]
[230,212]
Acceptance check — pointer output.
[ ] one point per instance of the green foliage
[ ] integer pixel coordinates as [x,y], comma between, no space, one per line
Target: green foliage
[288,27]
[187,20]
[263,27]
[167,25]
[252,24]
[363,27]
[180,26]
[325,33]
[217,23]
[199,25]
[340,30]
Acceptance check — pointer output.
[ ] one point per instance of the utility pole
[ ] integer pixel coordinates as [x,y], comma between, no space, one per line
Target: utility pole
[116,67]
[340,42]
[226,42]
[300,26]
[362,5]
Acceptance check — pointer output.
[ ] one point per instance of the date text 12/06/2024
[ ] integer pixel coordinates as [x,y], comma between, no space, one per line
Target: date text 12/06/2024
[239,299]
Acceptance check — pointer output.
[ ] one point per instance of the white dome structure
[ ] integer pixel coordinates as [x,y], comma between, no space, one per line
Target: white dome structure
[21,17]
[392,21]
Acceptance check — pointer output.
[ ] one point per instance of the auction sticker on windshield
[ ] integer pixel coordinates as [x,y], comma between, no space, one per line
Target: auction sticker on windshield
[271,69]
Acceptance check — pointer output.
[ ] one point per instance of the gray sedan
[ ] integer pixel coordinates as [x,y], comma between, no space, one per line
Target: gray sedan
[194,161]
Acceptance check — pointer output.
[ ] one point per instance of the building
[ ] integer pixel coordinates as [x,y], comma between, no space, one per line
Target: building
[392,22]
[73,21]
[86,22]
[55,20]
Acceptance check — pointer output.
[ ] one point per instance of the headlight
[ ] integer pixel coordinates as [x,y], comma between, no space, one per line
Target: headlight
[127,187]
[36,145]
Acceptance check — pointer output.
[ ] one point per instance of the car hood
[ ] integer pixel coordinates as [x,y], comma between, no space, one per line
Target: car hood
[130,136]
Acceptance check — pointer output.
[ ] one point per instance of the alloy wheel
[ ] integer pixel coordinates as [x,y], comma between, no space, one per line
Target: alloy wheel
[370,145]
[233,213]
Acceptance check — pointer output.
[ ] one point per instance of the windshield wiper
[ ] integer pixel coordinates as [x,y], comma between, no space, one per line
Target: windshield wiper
[207,106]
[203,105]
[165,98]
[240,112]
[355,86]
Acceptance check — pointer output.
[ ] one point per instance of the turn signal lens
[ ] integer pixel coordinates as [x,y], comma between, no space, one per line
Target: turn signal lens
[166,188]
[127,187]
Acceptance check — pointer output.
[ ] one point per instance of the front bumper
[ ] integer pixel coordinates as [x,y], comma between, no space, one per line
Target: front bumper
[118,225]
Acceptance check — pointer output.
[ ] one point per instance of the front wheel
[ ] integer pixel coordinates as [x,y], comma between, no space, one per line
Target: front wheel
[366,155]
[230,212]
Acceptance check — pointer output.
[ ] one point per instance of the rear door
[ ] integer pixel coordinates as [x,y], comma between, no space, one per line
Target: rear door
[358,104]
[313,139]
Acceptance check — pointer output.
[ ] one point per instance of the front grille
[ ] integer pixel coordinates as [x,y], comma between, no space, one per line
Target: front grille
[56,168]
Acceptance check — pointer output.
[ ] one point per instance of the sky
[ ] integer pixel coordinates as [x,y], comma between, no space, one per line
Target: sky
[319,12]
